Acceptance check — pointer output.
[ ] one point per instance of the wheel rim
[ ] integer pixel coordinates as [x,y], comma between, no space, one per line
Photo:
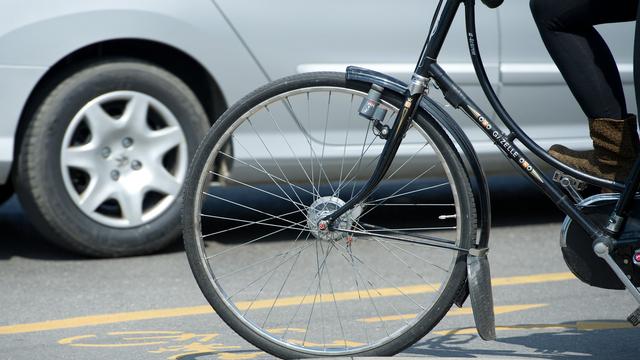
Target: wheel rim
[124,159]
[310,202]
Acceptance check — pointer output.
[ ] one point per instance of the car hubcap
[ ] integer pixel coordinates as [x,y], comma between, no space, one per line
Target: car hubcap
[124,158]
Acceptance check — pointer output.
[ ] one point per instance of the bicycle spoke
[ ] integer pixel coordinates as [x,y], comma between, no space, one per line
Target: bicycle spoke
[247,207]
[288,145]
[299,203]
[411,253]
[246,223]
[271,176]
[284,282]
[270,273]
[313,153]
[252,265]
[395,193]
[263,170]
[254,240]
[335,303]
[383,278]
[266,147]
[373,287]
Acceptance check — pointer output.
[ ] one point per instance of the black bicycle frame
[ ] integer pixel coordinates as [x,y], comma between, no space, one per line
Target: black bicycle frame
[427,68]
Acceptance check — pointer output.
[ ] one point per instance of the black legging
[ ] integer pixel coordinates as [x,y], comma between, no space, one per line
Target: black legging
[584,59]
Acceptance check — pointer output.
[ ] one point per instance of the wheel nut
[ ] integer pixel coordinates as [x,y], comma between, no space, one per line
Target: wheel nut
[322,225]
[115,175]
[136,165]
[106,152]
[127,142]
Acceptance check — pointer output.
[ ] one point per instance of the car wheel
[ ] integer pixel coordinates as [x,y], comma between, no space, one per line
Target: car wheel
[102,163]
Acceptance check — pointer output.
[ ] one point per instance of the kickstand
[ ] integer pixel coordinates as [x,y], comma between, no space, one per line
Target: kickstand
[602,251]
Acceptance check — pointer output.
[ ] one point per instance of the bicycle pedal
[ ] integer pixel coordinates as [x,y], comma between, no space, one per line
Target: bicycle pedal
[634,318]
[566,181]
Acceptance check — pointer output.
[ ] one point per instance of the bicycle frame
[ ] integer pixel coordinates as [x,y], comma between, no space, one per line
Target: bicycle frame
[428,69]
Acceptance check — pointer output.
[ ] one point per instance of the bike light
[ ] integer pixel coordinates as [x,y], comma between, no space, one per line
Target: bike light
[370,104]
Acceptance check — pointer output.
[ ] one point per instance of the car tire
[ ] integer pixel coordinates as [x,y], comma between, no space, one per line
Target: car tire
[91,112]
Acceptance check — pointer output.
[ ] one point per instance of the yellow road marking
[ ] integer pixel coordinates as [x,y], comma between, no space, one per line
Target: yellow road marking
[93,320]
[72,339]
[603,325]
[581,326]
[137,338]
[104,319]
[456,312]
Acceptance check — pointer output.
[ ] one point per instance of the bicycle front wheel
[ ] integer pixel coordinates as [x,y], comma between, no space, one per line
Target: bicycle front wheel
[283,158]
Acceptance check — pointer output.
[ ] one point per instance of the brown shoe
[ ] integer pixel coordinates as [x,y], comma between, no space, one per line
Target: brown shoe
[615,147]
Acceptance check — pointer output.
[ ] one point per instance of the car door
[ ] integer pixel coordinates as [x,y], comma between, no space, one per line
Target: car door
[293,36]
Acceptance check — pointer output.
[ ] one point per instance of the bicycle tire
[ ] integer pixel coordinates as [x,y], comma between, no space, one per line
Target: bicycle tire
[205,172]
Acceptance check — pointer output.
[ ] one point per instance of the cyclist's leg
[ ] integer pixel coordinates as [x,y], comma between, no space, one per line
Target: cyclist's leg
[583,57]
[586,63]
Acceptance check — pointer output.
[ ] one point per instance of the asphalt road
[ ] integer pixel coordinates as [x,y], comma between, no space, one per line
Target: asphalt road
[55,305]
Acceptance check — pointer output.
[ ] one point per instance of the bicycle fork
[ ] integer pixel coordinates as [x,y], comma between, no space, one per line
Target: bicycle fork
[393,139]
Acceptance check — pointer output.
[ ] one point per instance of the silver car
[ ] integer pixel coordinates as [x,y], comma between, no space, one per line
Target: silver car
[103,102]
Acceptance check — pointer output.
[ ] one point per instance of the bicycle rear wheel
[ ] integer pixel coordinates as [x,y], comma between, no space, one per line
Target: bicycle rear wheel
[284,157]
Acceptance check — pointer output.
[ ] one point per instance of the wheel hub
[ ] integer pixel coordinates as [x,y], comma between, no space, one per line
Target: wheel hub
[324,207]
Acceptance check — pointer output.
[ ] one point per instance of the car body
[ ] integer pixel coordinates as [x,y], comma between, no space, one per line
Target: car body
[223,49]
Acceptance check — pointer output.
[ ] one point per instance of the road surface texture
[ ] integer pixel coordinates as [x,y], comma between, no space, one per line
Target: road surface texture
[56,305]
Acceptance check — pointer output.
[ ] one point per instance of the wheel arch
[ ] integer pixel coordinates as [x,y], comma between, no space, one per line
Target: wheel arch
[177,62]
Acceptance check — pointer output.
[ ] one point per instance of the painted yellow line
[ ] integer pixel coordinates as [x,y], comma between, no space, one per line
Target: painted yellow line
[457,312]
[93,320]
[582,326]
[104,319]
[532,279]
[72,342]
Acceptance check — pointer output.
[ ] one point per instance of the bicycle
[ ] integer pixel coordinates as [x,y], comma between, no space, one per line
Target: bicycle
[322,278]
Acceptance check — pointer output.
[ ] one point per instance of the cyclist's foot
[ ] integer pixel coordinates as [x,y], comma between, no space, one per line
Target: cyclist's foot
[615,144]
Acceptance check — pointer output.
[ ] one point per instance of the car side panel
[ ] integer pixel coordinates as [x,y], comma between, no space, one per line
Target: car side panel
[36,34]
[290,36]
[17,83]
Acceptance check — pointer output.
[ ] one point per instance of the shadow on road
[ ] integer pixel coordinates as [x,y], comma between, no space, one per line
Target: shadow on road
[570,343]
[514,202]
[20,238]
